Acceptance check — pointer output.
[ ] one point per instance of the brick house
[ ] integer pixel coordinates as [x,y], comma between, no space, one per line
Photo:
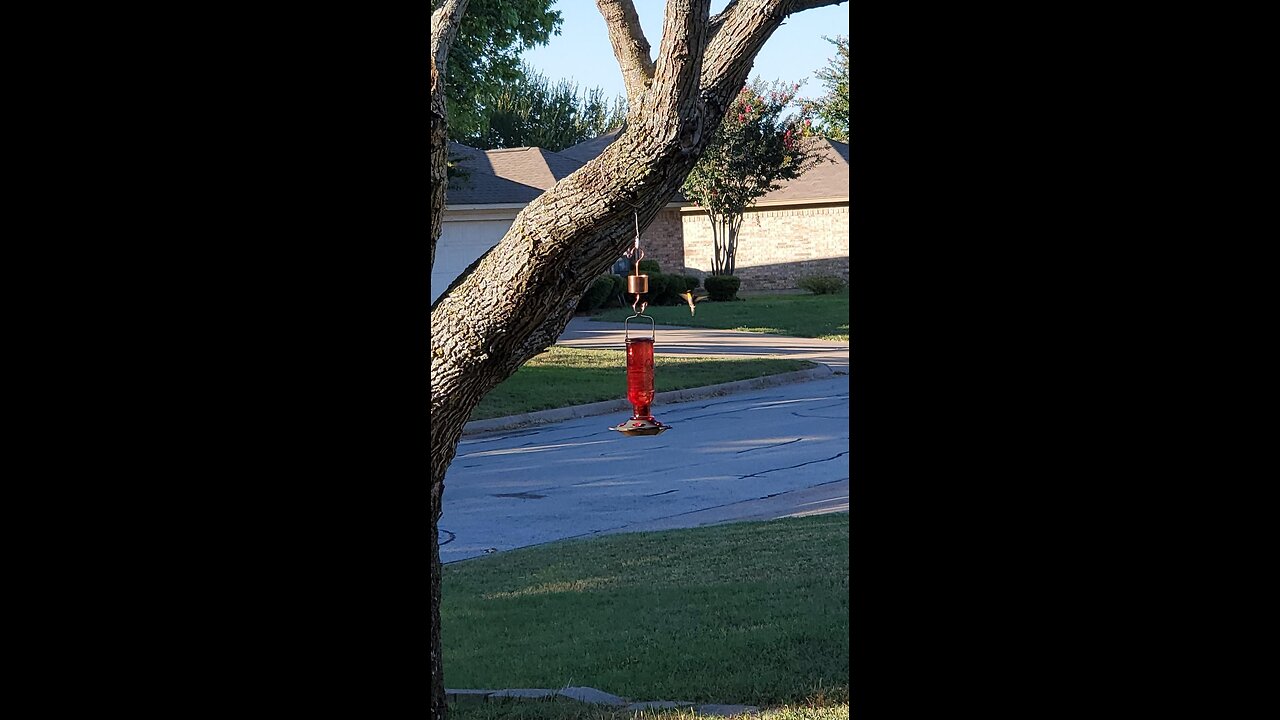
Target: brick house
[799,229]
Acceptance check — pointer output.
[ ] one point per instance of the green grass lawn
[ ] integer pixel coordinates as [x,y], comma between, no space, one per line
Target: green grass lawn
[825,317]
[563,377]
[754,613]
[569,710]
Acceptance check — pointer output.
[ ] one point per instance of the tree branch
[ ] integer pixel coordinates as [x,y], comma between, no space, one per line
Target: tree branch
[674,95]
[629,46]
[800,5]
[735,36]
[444,27]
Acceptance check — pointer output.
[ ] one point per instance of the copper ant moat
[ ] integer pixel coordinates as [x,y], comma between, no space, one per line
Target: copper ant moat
[639,356]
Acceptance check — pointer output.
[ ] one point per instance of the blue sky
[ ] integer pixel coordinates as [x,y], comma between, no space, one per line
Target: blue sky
[581,52]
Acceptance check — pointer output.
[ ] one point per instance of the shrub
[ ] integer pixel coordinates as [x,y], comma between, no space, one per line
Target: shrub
[722,287]
[649,266]
[691,282]
[618,297]
[595,295]
[664,289]
[822,284]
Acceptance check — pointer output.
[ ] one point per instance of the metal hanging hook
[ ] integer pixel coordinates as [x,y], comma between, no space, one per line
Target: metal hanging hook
[637,284]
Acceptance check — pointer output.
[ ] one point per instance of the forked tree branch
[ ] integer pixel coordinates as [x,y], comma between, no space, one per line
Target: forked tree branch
[629,46]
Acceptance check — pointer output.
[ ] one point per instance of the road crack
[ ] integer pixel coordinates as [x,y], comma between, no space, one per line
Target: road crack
[793,467]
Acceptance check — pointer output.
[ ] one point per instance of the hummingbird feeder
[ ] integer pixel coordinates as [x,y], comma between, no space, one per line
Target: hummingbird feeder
[639,356]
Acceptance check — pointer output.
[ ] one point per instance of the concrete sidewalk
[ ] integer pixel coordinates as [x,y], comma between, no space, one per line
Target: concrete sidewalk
[583,332]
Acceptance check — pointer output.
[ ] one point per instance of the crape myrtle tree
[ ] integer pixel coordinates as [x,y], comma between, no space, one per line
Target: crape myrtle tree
[754,149]
[514,301]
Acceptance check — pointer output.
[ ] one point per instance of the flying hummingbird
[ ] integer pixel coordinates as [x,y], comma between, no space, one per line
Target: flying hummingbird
[690,298]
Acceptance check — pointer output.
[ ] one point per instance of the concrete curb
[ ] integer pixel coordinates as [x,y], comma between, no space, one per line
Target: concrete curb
[541,417]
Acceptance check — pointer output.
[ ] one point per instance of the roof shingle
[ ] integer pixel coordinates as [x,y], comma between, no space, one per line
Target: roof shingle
[518,175]
[506,175]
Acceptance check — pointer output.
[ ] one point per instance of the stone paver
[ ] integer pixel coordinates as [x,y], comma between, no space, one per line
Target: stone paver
[591,695]
[522,693]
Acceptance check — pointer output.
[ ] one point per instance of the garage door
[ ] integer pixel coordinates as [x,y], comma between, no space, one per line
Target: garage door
[460,244]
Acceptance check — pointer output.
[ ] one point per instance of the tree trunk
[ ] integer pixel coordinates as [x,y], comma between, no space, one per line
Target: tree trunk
[518,297]
[732,223]
[444,27]
[715,242]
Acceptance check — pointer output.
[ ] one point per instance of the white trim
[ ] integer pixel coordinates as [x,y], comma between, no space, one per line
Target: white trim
[486,206]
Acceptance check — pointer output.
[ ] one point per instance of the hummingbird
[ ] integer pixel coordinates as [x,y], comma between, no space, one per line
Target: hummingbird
[690,298]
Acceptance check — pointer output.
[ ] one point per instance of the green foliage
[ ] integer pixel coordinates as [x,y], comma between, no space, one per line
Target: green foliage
[833,110]
[821,284]
[664,289]
[754,149]
[691,282]
[485,56]
[595,295]
[650,266]
[454,170]
[722,287]
[617,296]
[534,112]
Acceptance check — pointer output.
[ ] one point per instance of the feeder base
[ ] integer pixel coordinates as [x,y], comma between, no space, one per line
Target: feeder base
[641,426]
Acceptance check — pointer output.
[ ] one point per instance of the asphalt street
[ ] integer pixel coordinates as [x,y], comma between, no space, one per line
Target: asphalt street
[774,452]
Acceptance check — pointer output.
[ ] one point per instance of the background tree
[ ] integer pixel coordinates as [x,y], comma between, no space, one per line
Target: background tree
[485,54]
[514,301]
[833,108]
[534,112]
[756,147]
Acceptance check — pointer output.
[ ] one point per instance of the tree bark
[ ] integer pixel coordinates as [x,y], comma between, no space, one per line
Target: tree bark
[518,297]
[629,46]
[444,27]
[734,223]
